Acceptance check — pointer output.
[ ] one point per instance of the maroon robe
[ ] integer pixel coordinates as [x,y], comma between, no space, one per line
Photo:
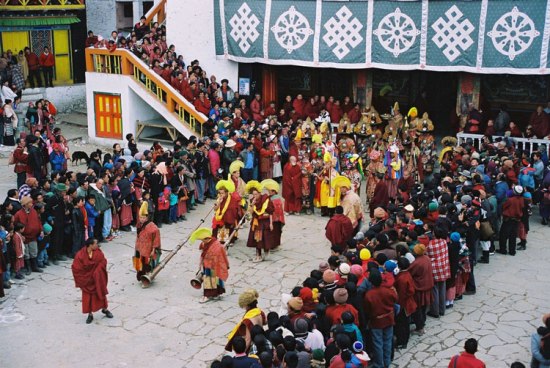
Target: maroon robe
[539,124]
[292,187]
[380,198]
[90,275]
[339,230]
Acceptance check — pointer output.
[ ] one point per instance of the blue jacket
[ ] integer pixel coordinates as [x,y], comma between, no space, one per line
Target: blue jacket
[92,214]
[57,160]
[527,178]
[501,188]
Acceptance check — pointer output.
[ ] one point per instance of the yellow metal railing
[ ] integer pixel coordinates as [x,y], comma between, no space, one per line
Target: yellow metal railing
[157,13]
[123,62]
[24,5]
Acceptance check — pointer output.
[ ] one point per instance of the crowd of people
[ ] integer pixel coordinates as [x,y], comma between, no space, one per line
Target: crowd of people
[434,213]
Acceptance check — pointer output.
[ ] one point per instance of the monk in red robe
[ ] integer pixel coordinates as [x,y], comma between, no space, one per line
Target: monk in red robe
[90,275]
[215,268]
[147,247]
[292,186]
[339,228]
[226,215]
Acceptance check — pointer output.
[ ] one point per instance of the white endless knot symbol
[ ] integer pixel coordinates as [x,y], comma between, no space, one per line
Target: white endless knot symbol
[396,32]
[243,27]
[343,29]
[513,33]
[452,33]
[291,30]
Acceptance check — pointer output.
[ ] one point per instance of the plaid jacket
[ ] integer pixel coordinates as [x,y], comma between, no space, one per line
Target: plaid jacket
[438,252]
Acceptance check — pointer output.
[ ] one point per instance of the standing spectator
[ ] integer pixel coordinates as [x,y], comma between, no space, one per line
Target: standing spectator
[92,214]
[257,107]
[422,274]
[20,158]
[47,63]
[404,285]
[91,40]
[34,68]
[467,358]
[33,227]
[214,161]
[57,207]
[57,158]
[379,306]
[201,169]
[502,120]
[539,123]
[437,250]
[103,205]
[6,93]
[248,157]
[10,123]
[79,219]
[35,161]
[512,212]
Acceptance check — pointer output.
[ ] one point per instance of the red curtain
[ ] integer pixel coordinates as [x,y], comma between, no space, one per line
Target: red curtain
[269,84]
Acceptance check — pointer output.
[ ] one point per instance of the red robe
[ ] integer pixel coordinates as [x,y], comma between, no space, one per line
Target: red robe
[292,187]
[90,275]
[299,107]
[339,230]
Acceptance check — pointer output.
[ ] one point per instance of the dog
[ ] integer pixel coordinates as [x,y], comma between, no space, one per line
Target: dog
[81,155]
[78,156]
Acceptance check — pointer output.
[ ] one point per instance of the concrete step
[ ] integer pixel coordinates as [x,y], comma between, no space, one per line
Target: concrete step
[73,118]
[81,110]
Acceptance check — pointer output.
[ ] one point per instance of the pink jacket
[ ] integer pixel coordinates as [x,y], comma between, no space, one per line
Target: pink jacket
[214,158]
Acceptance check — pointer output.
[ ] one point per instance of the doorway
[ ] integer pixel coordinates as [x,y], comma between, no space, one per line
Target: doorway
[292,80]
[108,116]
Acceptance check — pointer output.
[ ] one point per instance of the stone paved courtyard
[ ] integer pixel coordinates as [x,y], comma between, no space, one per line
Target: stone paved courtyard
[41,324]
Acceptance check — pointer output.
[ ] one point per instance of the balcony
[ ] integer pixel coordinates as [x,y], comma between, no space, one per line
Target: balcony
[33,5]
[179,112]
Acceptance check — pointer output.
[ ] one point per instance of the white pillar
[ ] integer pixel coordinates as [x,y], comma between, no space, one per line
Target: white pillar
[137,8]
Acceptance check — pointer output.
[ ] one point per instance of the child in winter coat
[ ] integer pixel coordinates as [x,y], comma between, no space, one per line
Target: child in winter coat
[163,207]
[43,245]
[173,207]
[92,215]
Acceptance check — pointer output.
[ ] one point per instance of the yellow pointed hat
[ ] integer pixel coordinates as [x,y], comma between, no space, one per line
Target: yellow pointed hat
[226,184]
[144,209]
[253,184]
[271,184]
[200,234]
[317,138]
[236,166]
[413,112]
[341,181]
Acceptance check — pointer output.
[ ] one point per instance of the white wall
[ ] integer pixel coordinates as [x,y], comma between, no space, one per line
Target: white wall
[136,104]
[101,17]
[67,98]
[191,29]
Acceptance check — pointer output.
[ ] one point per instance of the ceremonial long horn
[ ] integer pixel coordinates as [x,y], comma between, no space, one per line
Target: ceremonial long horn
[228,241]
[147,279]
